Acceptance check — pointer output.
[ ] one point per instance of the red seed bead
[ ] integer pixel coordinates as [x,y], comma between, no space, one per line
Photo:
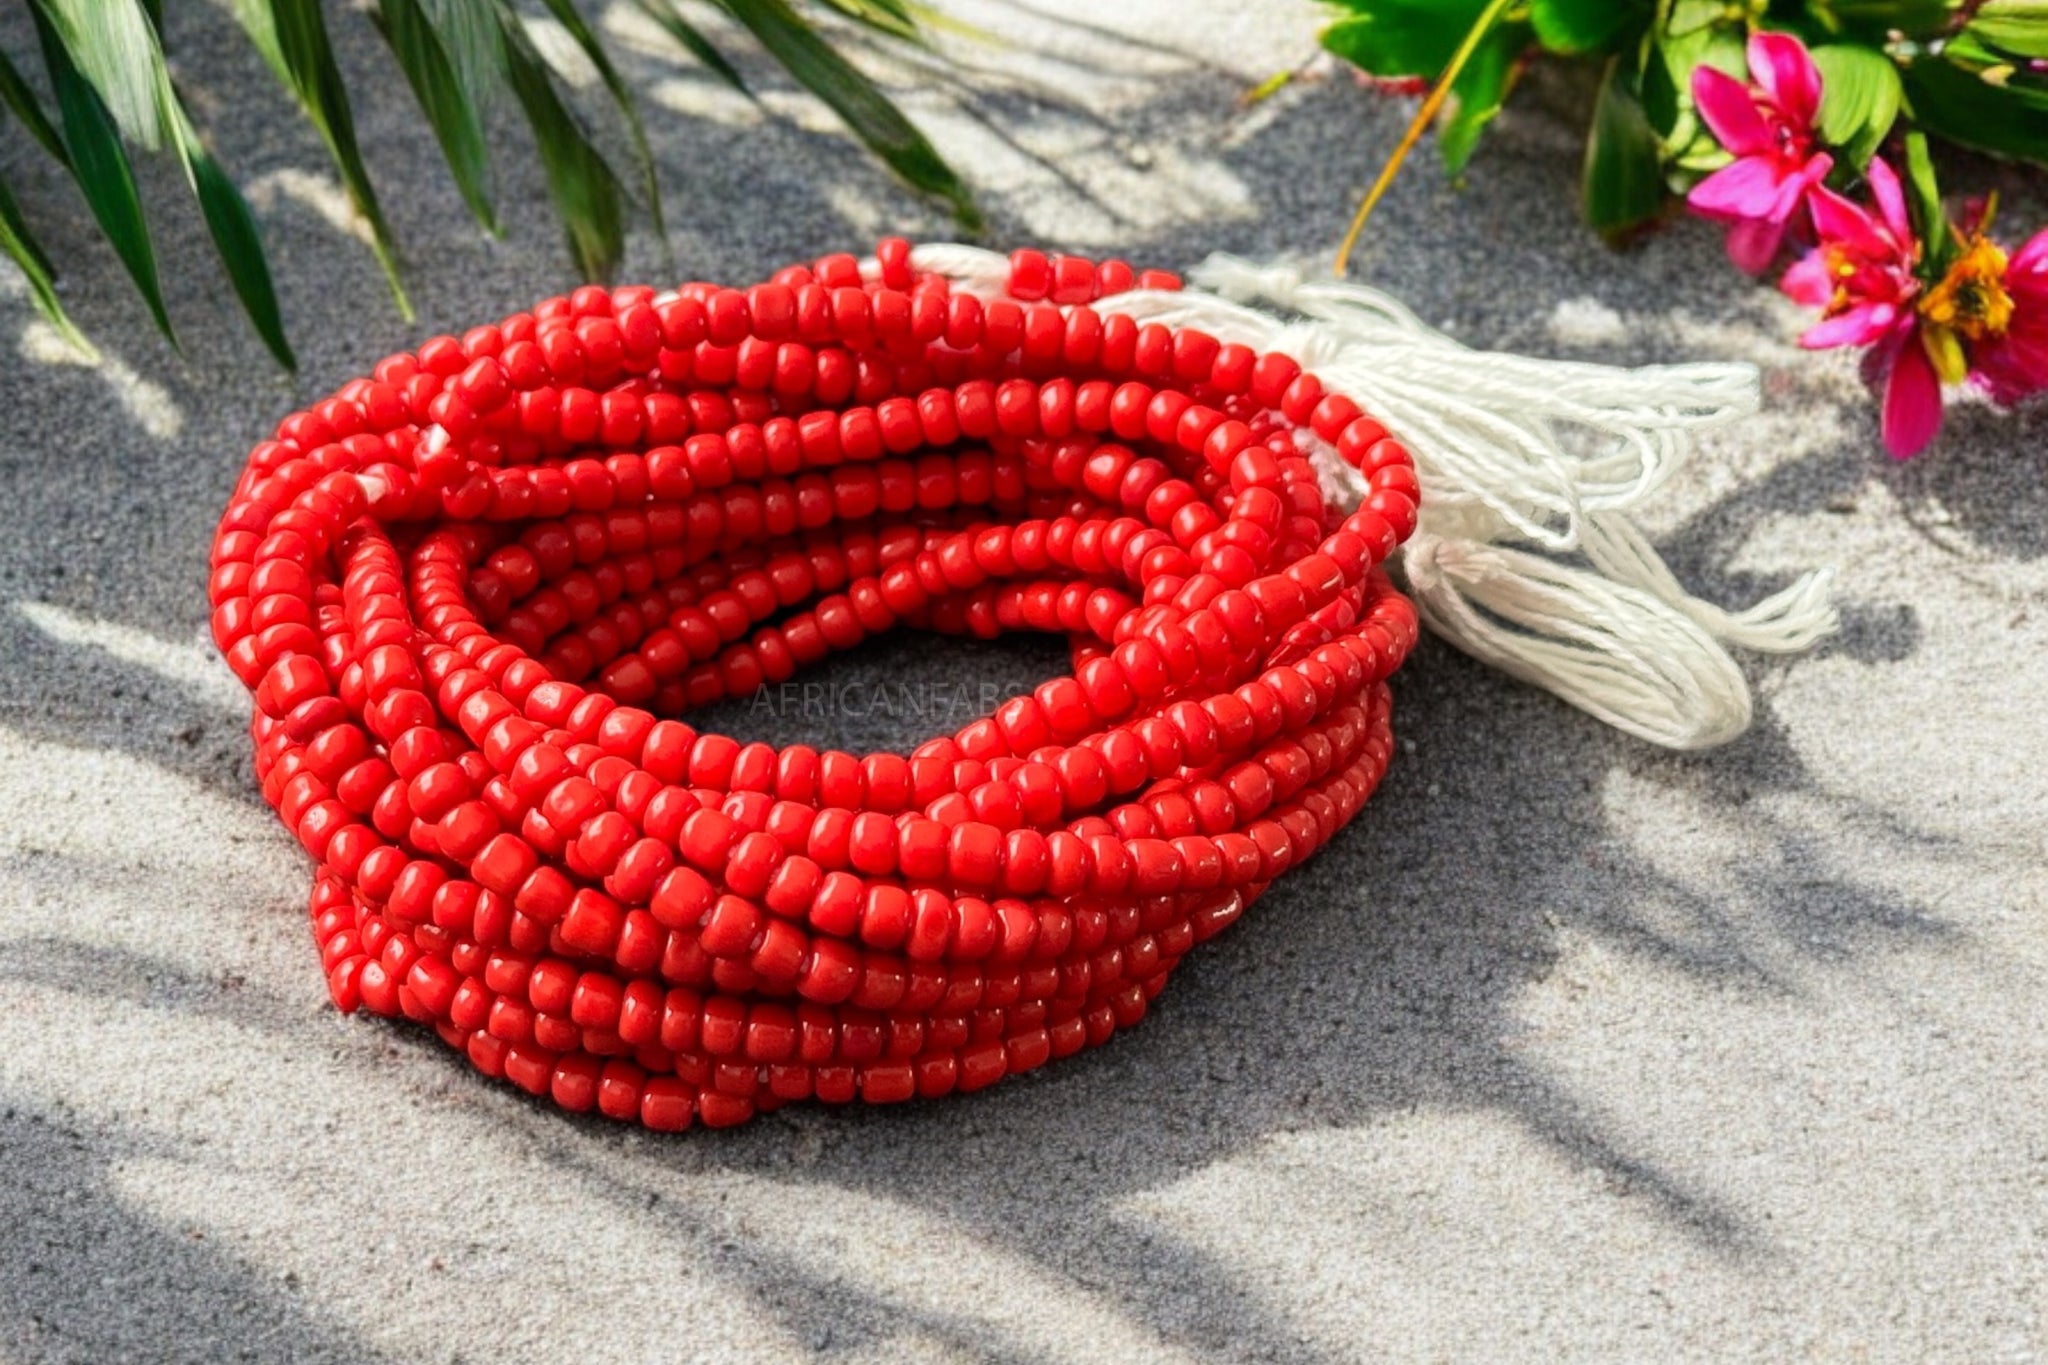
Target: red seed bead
[1031,275]
[1073,279]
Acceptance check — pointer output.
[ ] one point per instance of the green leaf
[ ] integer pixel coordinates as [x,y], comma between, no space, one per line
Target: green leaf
[865,109]
[1717,45]
[1667,79]
[15,92]
[1969,52]
[566,15]
[1860,95]
[1418,38]
[233,229]
[693,40]
[1478,93]
[1923,194]
[412,39]
[2016,27]
[469,32]
[892,17]
[113,45]
[100,167]
[1268,87]
[227,215]
[293,40]
[260,24]
[2007,120]
[1576,27]
[1687,17]
[584,190]
[1403,37]
[1623,184]
[1923,201]
[23,249]
[929,19]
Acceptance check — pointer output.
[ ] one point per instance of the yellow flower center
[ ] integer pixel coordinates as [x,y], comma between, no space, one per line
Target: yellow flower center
[1971,298]
[1843,269]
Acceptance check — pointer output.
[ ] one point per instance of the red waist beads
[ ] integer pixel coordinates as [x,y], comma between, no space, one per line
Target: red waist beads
[474,594]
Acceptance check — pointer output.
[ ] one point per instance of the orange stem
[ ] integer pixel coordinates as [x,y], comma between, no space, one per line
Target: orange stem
[1423,117]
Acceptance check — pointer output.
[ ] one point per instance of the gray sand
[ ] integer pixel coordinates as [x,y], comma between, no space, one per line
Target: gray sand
[1567,1049]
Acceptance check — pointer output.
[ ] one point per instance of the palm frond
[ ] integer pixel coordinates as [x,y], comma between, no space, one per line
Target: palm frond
[99,163]
[233,229]
[456,120]
[580,181]
[111,92]
[694,42]
[293,39]
[930,18]
[892,17]
[27,253]
[113,44]
[565,14]
[22,101]
[94,154]
[468,29]
[858,101]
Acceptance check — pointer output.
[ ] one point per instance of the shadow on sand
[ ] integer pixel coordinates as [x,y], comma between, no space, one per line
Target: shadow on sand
[1381,979]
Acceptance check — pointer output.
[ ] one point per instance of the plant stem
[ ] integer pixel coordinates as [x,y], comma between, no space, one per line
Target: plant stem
[1278,81]
[1423,116]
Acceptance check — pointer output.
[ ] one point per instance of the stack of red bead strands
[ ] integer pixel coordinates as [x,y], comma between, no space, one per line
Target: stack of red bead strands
[473,594]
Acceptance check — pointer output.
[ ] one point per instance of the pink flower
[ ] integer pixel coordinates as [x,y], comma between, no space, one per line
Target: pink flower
[1861,280]
[1768,125]
[2012,364]
[1912,393]
[1860,277]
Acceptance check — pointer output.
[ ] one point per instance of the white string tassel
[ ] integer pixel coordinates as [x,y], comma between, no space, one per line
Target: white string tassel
[1525,464]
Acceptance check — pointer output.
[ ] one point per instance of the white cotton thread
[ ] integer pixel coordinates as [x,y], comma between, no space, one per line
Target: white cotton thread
[1527,466]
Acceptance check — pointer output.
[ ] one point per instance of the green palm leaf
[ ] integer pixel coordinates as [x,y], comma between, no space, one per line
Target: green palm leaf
[455,119]
[929,19]
[113,45]
[293,40]
[113,92]
[100,166]
[874,119]
[23,249]
[693,40]
[233,229]
[585,192]
[469,34]
[567,16]
[892,17]
[14,92]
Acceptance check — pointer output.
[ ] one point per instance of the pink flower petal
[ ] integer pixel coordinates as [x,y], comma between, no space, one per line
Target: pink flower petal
[1808,282]
[2013,366]
[1891,200]
[1747,189]
[1799,184]
[1912,400]
[2031,258]
[1835,219]
[1779,63]
[1859,326]
[1753,243]
[1730,112]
